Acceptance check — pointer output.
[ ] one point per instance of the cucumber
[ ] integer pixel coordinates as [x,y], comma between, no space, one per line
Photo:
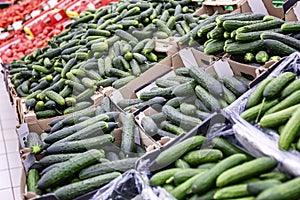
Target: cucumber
[257,187]
[252,113]
[278,48]
[287,102]
[58,135]
[202,156]
[160,178]
[274,175]
[182,164]
[262,57]
[98,128]
[102,168]
[184,89]
[234,85]
[123,103]
[122,81]
[177,117]
[228,95]
[176,151]
[287,190]
[293,26]
[172,128]
[257,95]
[214,47]
[206,80]
[261,26]
[245,171]
[55,97]
[77,107]
[234,191]
[208,195]
[208,100]
[79,146]
[226,147]
[149,126]
[290,131]
[46,114]
[231,25]
[34,143]
[68,168]
[291,88]
[52,159]
[253,36]
[32,180]
[164,92]
[73,190]
[207,181]
[128,142]
[241,48]
[183,175]
[180,191]
[276,85]
[290,41]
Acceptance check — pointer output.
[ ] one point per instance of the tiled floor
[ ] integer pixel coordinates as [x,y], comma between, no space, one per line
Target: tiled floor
[10,163]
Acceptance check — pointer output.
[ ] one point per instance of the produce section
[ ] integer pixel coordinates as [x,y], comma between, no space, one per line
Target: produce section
[169,99]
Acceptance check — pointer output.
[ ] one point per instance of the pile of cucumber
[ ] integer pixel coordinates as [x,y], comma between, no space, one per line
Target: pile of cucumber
[78,155]
[183,101]
[275,104]
[248,37]
[106,47]
[224,172]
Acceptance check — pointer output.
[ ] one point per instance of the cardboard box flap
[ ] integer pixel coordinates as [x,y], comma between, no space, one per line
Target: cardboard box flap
[222,2]
[293,13]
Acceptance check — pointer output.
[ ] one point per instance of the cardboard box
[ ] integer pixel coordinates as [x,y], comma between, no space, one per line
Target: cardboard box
[140,139]
[39,125]
[189,56]
[264,7]
[292,11]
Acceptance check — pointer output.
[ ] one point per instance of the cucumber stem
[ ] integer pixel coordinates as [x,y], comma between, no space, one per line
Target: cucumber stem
[259,112]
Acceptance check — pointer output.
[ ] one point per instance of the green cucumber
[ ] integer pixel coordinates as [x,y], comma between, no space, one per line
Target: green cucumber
[128,143]
[181,164]
[68,168]
[176,151]
[207,181]
[278,48]
[202,156]
[32,180]
[177,117]
[208,100]
[79,146]
[103,168]
[290,131]
[257,187]
[246,171]
[257,95]
[73,190]
[291,88]
[252,113]
[287,190]
[278,84]
[160,178]
[172,128]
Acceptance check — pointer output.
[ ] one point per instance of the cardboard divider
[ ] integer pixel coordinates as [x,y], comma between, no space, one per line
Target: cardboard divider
[39,125]
[242,6]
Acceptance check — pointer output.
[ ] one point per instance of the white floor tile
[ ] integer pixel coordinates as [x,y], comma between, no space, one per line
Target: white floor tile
[3,162]
[5,180]
[10,134]
[2,147]
[14,160]
[17,193]
[7,194]
[8,124]
[15,175]
[11,146]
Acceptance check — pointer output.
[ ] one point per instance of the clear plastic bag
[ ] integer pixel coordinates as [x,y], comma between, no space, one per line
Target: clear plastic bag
[131,185]
[265,141]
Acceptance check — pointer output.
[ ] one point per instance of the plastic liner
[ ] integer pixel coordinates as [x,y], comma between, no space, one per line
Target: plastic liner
[131,185]
[265,141]
[218,125]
